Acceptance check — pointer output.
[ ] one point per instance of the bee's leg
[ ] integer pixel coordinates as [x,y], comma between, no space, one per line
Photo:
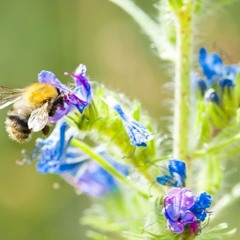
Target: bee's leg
[57,102]
[46,130]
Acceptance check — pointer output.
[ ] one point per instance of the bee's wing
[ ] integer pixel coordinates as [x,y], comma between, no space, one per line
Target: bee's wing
[38,118]
[9,95]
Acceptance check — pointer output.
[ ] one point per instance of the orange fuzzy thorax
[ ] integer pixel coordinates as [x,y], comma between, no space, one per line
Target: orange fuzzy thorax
[38,93]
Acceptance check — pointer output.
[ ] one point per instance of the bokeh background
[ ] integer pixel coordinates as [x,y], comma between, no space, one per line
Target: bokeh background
[57,35]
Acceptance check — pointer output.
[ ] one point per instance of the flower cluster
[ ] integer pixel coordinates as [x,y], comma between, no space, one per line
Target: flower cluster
[56,155]
[219,88]
[185,212]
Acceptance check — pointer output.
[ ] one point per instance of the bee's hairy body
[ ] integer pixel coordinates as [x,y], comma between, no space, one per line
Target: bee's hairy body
[32,98]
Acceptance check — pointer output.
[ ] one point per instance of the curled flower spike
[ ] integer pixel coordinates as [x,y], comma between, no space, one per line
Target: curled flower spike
[137,133]
[183,211]
[177,171]
[79,97]
[55,155]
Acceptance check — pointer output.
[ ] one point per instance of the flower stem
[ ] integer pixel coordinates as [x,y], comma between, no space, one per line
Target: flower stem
[107,166]
[182,81]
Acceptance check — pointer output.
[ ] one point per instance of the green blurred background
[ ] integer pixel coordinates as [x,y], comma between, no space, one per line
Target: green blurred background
[57,35]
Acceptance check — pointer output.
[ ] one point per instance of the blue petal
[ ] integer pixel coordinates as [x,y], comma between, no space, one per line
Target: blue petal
[202,86]
[226,83]
[92,179]
[166,180]
[49,77]
[179,167]
[202,202]
[211,64]
[177,174]
[55,155]
[52,149]
[137,133]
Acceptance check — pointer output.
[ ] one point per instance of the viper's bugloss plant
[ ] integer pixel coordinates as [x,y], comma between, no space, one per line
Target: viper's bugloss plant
[108,148]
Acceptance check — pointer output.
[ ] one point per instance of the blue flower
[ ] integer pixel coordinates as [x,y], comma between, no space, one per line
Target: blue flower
[80,97]
[215,71]
[202,202]
[137,133]
[55,155]
[177,171]
[211,64]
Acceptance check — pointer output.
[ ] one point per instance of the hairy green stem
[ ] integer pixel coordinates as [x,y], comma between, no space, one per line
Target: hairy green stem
[182,81]
[148,25]
[107,166]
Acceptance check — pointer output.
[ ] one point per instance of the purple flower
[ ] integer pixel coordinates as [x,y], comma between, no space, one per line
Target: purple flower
[183,211]
[80,97]
[83,87]
[176,209]
[137,133]
[177,177]
[55,155]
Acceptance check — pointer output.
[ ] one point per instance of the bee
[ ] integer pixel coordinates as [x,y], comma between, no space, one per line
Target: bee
[31,110]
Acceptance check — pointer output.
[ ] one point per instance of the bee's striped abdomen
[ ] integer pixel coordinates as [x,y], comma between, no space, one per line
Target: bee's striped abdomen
[17,127]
